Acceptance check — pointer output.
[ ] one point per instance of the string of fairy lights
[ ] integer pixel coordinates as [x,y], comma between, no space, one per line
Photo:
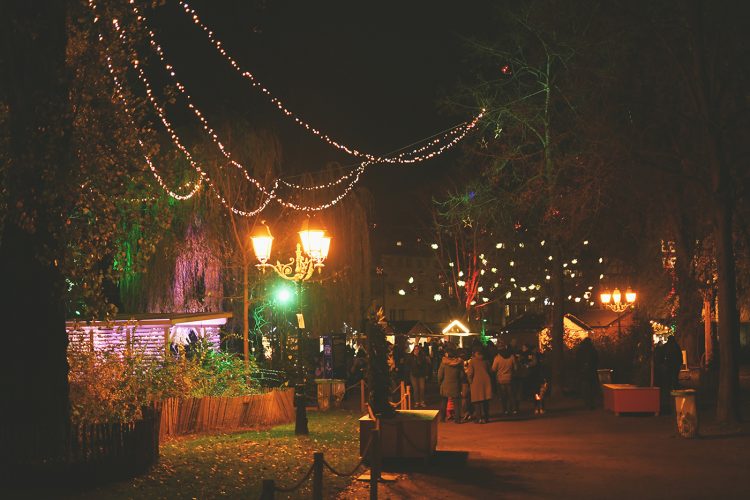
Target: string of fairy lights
[404,157]
[119,91]
[497,276]
[434,146]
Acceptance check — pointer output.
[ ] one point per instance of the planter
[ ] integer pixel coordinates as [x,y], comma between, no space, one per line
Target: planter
[626,398]
[410,434]
[330,393]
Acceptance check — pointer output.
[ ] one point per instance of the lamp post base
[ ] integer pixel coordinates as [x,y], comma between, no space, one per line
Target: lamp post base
[300,422]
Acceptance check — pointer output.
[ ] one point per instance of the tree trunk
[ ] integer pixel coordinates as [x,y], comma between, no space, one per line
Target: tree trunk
[34,371]
[728,403]
[557,327]
[689,325]
[245,313]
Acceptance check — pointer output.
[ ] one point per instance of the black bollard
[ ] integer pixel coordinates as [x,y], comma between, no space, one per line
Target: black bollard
[300,402]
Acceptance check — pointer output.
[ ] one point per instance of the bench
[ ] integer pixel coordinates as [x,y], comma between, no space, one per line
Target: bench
[627,398]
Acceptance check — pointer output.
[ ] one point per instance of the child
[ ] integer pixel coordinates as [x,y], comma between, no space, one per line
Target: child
[449,410]
[539,398]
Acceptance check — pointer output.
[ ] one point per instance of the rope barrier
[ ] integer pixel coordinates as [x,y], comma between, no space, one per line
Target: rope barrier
[299,483]
[359,464]
[398,403]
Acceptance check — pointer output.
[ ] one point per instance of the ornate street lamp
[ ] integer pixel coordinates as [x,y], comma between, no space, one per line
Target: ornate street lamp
[314,243]
[614,300]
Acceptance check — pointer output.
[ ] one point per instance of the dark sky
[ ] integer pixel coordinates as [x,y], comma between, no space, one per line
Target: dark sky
[369,74]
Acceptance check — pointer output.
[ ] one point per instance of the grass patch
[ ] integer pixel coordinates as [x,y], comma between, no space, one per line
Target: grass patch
[234,465]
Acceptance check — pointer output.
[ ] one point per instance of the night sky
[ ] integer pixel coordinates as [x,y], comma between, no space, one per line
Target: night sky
[370,74]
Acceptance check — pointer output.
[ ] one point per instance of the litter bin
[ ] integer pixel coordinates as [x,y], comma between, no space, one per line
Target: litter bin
[686,412]
[605,376]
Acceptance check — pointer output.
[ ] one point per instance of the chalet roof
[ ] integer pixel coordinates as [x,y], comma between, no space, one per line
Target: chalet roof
[600,318]
[158,319]
[411,328]
[527,323]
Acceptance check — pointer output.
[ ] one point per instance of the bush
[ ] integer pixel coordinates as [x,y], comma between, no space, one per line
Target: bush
[107,386]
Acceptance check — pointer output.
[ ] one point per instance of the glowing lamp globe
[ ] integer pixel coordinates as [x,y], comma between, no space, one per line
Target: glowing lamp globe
[617,296]
[312,242]
[262,243]
[605,297]
[630,296]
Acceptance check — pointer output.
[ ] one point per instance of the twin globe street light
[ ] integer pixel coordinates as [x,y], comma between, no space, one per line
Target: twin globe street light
[301,267]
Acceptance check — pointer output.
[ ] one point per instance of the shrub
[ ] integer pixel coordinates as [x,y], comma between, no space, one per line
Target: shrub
[109,386]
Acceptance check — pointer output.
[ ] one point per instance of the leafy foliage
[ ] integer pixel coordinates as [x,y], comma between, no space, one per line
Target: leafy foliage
[108,386]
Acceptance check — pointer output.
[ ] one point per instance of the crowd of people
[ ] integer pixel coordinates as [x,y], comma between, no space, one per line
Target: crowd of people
[467,378]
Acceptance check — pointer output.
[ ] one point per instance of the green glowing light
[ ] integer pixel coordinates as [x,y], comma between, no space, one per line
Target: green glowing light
[284,295]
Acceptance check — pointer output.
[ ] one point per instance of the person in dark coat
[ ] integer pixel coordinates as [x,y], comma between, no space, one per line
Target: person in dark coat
[449,380]
[419,368]
[587,360]
[478,374]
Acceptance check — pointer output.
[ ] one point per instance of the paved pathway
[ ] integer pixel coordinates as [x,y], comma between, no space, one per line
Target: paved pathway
[575,453]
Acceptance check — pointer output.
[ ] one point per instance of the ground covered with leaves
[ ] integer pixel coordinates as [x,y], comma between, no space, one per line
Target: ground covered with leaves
[234,465]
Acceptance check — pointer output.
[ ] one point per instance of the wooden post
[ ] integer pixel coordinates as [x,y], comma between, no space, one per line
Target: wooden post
[708,341]
[362,399]
[268,491]
[317,492]
[166,342]
[408,397]
[403,395]
[374,463]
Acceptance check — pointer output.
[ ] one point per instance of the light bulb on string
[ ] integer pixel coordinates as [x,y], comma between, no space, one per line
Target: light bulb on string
[401,158]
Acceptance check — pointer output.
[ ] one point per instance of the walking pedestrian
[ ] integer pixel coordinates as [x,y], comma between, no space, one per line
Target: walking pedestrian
[449,379]
[419,368]
[503,366]
[480,386]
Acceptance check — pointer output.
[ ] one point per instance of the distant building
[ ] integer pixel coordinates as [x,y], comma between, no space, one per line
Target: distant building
[407,283]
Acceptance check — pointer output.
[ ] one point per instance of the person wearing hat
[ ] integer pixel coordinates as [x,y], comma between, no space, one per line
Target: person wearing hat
[449,380]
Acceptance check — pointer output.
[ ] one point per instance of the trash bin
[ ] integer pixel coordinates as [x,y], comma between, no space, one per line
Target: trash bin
[686,412]
[605,376]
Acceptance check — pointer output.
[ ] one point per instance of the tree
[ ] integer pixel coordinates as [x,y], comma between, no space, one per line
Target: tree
[530,80]
[71,187]
[694,103]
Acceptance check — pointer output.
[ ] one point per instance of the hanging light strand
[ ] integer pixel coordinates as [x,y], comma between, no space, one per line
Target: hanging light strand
[355,174]
[119,92]
[175,138]
[405,157]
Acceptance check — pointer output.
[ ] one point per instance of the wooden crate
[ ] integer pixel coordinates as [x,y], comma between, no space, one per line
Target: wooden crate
[410,434]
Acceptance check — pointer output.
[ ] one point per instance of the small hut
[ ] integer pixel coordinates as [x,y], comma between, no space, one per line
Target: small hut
[155,335]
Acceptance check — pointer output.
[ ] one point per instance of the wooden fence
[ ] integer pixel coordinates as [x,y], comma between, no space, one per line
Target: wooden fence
[211,414]
[93,452]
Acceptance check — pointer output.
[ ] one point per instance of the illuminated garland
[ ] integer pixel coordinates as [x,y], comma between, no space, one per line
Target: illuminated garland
[459,131]
[405,157]
[175,138]
[121,95]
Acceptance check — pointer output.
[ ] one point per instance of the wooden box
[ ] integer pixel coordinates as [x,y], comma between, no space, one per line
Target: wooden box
[410,434]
